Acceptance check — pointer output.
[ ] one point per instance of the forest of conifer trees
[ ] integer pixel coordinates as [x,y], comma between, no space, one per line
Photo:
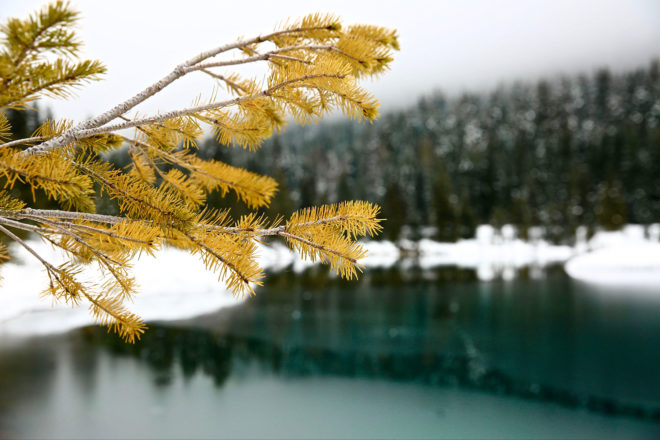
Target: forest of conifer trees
[578,150]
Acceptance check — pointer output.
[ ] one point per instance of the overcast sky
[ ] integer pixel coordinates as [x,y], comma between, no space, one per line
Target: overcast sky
[446,45]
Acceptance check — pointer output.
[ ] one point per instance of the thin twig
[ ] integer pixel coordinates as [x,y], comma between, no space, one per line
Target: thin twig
[277,53]
[14,237]
[81,241]
[200,108]
[252,59]
[24,141]
[72,135]
[222,259]
[68,215]
[36,214]
[24,226]
[317,246]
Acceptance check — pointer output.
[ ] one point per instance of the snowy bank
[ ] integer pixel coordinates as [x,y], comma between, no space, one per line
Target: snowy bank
[174,285]
[381,254]
[630,257]
[492,253]
[636,264]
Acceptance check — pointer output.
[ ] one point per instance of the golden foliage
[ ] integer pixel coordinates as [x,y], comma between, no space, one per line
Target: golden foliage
[5,128]
[313,66]
[53,173]
[327,233]
[9,203]
[27,70]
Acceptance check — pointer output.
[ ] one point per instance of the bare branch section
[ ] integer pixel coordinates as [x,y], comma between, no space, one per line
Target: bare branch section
[195,110]
[24,141]
[311,66]
[37,214]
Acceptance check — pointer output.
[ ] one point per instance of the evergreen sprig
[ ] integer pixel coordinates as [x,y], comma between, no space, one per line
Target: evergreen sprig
[313,67]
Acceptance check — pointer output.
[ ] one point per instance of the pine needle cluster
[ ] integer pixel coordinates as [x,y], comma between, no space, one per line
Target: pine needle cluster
[312,66]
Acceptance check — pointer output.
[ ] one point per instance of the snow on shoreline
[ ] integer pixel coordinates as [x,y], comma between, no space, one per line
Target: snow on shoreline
[636,264]
[175,285]
[629,257]
[492,253]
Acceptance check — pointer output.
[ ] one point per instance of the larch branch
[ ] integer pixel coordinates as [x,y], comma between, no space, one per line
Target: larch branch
[179,71]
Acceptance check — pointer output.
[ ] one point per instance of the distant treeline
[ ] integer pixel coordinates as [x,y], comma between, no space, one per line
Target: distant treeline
[582,150]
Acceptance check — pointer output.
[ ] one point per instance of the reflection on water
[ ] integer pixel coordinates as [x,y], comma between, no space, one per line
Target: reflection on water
[544,356]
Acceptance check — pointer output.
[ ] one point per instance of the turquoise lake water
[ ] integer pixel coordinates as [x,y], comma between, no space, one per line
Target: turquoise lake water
[398,354]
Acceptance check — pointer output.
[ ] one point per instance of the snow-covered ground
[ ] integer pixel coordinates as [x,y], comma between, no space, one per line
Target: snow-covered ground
[175,285]
[492,253]
[630,257]
[627,257]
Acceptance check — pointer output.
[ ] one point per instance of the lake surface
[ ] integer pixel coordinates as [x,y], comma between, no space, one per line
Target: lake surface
[399,354]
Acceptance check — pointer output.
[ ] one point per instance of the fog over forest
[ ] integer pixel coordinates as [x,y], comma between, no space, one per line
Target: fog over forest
[449,46]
